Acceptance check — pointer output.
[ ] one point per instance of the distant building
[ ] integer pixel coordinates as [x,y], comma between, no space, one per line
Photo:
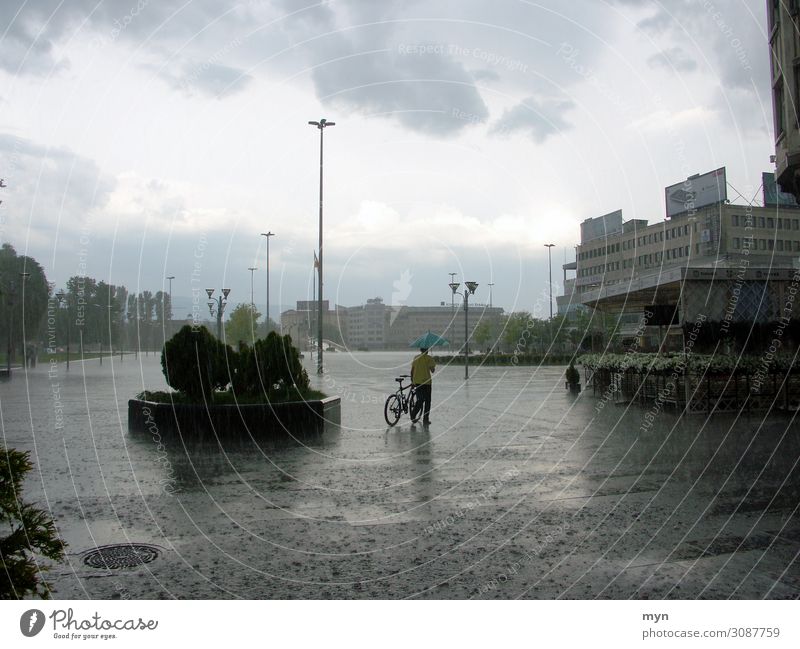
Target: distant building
[301,322]
[784,43]
[366,325]
[376,326]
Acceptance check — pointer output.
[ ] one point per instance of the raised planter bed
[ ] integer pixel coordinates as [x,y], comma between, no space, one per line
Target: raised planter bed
[259,421]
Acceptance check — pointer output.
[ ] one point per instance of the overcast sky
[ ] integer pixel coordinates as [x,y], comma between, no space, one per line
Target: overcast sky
[163,137]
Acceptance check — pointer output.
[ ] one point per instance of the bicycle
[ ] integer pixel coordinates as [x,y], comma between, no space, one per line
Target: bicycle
[401,402]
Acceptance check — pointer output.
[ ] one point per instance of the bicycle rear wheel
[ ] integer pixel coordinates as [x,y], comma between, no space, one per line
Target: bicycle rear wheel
[392,409]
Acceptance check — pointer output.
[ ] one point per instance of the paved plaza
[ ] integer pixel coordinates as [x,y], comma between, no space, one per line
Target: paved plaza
[517,490]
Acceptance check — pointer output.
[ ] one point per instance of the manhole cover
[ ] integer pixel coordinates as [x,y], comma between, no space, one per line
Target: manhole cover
[124,555]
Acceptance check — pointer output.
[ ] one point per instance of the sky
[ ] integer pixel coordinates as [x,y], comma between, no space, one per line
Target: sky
[148,139]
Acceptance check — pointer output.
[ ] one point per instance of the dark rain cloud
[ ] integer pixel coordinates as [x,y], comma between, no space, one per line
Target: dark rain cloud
[536,118]
[727,37]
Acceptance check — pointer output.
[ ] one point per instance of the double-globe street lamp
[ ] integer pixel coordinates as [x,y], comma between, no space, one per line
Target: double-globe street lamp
[169,332]
[321,125]
[267,235]
[549,247]
[216,307]
[252,270]
[469,290]
[64,303]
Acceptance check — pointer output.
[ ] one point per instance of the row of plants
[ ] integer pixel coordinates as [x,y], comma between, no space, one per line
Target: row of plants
[201,368]
[688,364]
[508,359]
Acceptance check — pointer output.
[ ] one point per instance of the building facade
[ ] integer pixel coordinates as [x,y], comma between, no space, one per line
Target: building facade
[783,19]
[723,262]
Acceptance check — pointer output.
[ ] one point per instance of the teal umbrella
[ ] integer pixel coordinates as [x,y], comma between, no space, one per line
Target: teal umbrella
[428,340]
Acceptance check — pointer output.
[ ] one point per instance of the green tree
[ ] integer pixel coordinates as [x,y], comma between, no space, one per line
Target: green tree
[31,532]
[242,326]
[23,299]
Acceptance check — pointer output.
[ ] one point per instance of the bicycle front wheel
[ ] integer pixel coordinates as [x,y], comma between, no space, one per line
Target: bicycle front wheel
[392,409]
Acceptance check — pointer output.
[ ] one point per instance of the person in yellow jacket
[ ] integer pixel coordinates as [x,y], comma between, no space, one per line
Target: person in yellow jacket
[422,368]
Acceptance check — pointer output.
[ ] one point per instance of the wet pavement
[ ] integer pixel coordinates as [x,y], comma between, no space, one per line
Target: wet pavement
[517,489]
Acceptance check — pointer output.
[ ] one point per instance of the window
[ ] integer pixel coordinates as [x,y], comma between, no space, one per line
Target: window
[795,224]
[771,224]
[762,244]
[687,250]
[736,220]
[667,235]
[780,224]
[797,246]
[686,229]
[780,121]
[774,14]
[770,244]
[762,222]
[779,245]
[737,243]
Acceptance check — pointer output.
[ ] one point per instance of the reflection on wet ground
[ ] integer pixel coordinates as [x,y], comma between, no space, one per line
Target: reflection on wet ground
[517,489]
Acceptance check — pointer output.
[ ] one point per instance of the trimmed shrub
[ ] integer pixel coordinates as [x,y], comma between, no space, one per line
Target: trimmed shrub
[271,365]
[196,363]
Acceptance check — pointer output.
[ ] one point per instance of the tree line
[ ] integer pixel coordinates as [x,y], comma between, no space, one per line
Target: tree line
[86,311]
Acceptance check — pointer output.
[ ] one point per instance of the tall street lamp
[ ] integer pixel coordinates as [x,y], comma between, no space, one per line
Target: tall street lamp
[169,278]
[469,290]
[490,293]
[452,297]
[549,247]
[110,347]
[216,307]
[252,269]
[62,301]
[321,125]
[267,235]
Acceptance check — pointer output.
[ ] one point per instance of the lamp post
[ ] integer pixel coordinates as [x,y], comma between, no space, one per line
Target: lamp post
[169,278]
[453,296]
[549,247]
[252,269]
[216,307]
[62,300]
[110,345]
[490,293]
[469,290]
[321,125]
[267,235]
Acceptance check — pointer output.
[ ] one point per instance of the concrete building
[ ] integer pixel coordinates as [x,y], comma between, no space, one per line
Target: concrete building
[568,304]
[366,325]
[728,263]
[784,44]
